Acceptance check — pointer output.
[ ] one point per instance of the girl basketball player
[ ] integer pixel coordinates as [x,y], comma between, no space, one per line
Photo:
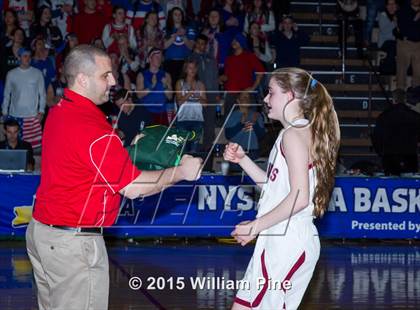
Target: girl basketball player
[295,188]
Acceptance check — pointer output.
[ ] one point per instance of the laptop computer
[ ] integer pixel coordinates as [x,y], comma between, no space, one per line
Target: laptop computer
[13,160]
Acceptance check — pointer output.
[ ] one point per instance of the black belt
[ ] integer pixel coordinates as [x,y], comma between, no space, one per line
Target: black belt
[86,230]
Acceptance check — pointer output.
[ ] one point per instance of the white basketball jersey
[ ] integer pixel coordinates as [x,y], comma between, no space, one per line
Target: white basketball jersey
[277,184]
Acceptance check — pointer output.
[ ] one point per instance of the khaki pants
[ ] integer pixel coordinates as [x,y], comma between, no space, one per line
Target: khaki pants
[71,271]
[408,52]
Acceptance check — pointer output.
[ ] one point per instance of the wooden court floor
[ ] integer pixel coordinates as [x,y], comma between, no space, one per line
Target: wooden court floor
[356,275]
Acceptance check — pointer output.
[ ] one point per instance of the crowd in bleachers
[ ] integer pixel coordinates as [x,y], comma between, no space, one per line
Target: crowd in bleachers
[169,57]
[174,57]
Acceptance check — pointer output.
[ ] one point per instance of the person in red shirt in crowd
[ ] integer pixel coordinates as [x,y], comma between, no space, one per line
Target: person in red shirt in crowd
[104,6]
[117,28]
[241,72]
[84,171]
[89,23]
[24,10]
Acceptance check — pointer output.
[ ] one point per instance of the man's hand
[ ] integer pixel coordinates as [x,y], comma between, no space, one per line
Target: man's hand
[190,168]
[137,138]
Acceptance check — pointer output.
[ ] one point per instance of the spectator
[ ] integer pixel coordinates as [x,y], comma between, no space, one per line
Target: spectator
[128,58]
[149,36]
[122,80]
[168,5]
[191,97]
[233,16]
[372,9]
[408,44]
[130,116]
[24,10]
[154,88]
[62,13]
[245,126]
[386,41]
[89,16]
[287,41]
[178,43]
[56,89]
[42,61]
[219,40]
[258,40]
[137,10]
[10,58]
[10,23]
[118,27]
[106,7]
[193,12]
[103,6]
[349,15]
[97,42]
[206,6]
[395,137]
[24,98]
[260,14]
[279,8]
[71,41]
[13,142]
[208,75]
[43,27]
[240,72]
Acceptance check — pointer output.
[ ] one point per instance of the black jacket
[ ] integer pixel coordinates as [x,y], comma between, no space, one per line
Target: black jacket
[397,131]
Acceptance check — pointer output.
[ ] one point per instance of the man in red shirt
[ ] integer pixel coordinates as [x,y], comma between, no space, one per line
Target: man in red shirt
[89,23]
[241,71]
[84,170]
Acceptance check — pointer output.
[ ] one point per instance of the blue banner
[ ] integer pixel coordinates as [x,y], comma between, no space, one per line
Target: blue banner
[373,208]
[212,206]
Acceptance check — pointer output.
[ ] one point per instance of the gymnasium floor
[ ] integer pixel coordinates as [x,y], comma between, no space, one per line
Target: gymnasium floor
[360,275]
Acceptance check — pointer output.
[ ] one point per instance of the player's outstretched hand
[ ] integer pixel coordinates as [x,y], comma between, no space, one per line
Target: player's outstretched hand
[190,167]
[244,232]
[233,152]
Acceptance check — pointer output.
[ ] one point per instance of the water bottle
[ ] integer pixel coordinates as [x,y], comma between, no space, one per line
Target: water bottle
[217,150]
[218,112]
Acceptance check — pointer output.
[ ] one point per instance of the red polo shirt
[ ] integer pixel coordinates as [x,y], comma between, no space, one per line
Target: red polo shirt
[83,166]
[240,70]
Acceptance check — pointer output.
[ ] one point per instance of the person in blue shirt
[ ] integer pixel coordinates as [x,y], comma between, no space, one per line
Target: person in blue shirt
[178,43]
[233,16]
[245,126]
[42,61]
[154,88]
[219,39]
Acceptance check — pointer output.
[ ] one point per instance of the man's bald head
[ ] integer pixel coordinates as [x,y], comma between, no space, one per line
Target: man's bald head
[81,59]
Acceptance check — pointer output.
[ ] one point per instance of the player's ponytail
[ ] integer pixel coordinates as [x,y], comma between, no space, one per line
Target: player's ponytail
[317,106]
[326,142]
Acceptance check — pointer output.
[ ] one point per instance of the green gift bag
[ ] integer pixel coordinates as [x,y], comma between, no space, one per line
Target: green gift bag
[159,147]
